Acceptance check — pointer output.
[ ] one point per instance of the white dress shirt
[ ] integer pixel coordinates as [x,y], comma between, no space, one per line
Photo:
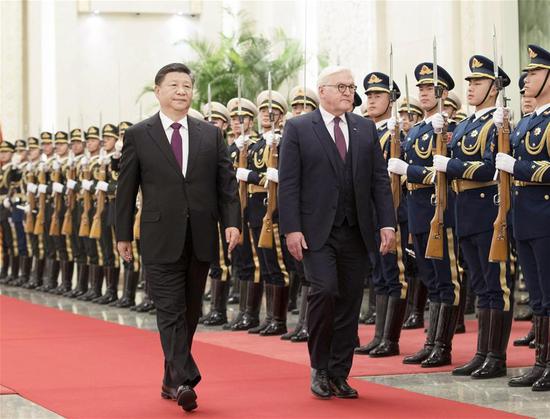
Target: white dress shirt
[542,108]
[328,119]
[482,112]
[184,132]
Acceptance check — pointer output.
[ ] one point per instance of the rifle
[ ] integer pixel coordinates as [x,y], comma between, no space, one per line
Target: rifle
[499,243]
[31,200]
[57,201]
[95,232]
[39,223]
[395,142]
[266,235]
[243,162]
[434,249]
[84,230]
[137,220]
[67,228]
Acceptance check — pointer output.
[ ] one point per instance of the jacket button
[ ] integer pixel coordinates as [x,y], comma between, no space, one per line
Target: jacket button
[547,197]
[482,195]
[517,193]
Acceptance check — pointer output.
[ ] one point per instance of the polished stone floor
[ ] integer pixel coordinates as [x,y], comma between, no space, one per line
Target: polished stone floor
[491,393]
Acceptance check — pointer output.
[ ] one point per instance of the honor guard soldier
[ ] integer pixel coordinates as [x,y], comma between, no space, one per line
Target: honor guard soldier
[530,167]
[88,165]
[302,100]
[31,179]
[472,171]
[451,106]
[10,251]
[438,276]
[389,280]
[243,112]
[460,116]
[73,213]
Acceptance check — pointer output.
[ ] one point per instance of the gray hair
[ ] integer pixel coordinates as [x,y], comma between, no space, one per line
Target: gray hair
[329,71]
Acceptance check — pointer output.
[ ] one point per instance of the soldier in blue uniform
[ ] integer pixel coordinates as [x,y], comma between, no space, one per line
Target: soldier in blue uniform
[471,169]
[530,166]
[439,276]
[388,272]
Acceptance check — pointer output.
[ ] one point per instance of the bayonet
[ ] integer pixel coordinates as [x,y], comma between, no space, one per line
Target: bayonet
[209,103]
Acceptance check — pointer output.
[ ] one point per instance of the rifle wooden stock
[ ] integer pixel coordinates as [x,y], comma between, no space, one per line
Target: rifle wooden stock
[137,221]
[434,249]
[55,228]
[266,235]
[67,227]
[395,179]
[31,201]
[499,244]
[95,231]
[84,229]
[243,162]
[39,222]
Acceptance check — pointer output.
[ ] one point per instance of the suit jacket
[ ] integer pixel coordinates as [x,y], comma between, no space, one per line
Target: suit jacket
[308,179]
[206,195]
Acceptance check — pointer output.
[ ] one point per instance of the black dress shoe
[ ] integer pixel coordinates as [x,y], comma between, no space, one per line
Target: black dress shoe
[341,389]
[187,398]
[320,386]
[169,393]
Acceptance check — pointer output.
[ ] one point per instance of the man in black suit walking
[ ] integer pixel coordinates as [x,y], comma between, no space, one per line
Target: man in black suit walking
[332,179]
[188,184]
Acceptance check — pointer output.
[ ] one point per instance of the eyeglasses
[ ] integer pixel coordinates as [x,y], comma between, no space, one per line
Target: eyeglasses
[343,87]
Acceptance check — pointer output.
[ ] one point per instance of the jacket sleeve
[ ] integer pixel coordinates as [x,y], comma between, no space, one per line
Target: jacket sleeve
[290,179]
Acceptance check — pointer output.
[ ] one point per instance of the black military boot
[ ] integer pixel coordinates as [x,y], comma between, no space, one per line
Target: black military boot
[112,278]
[82,277]
[46,277]
[128,298]
[5,268]
[301,315]
[370,315]
[212,296]
[251,316]
[53,276]
[541,348]
[66,285]
[243,293]
[280,298]
[527,339]
[422,354]
[96,283]
[293,288]
[218,311]
[415,320]
[36,275]
[389,346]
[268,310]
[543,383]
[147,305]
[25,274]
[470,306]
[381,309]
[483,329]
[495,363]
[234,293]
[14,273]
[303,333]
[524,315]
[441,352]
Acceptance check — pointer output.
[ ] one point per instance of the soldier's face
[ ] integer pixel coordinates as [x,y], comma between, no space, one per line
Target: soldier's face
[109,143]
[477,89]
[5,156]
[534,80]
[528,104]
[92,145]
[408,121]
[450,111]
[220,123]
[264,117]
[236,125]
[175,92]
[61,149]
[426,95]
[377,103]
[34,154]
[47,149]
[77,147]
[330,96]
[22,155]
[299,109]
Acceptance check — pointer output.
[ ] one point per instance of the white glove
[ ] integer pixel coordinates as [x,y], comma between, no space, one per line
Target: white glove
[31,187]
[57,187]
[29,167]
[241,141]
[87,184]
[505,162]
[42,166]
[272,139]
[392,123]
[16,159]
[55,165]
[118,146]
[242,174]
[397,166]
[84,161]
[272,174]
[105,161]
[70,160]
[102,186]
[71,184]
[117,155]
[438,122]
[498,116]
[441,162]
[26,208]
[42,188]
[7,203]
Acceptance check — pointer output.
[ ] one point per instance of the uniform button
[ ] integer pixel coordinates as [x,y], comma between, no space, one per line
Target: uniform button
[547,197]
[482,195]
[522,141]
[533,166]
[458,143]
[410,161]
[519,158]
[517,193]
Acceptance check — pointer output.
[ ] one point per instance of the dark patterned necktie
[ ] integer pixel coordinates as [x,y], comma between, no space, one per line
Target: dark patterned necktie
[339,139]
[176,143]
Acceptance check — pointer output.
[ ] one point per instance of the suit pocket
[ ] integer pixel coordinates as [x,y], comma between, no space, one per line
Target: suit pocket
[150,216]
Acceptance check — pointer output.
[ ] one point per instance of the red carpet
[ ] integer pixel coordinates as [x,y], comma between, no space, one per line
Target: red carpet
[80,367]
[411,340]
[5,390]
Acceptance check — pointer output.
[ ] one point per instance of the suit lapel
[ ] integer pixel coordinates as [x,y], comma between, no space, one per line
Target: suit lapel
[325,139]
[354,142]
[194,142]
[157,133]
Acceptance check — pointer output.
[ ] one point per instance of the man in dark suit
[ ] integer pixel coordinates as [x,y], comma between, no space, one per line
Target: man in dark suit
[188,184]
[332,177]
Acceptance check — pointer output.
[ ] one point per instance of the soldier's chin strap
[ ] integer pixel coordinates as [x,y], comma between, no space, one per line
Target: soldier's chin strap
[486,94]
[543,83]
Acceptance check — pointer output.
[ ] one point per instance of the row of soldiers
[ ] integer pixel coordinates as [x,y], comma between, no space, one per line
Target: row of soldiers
[401,282]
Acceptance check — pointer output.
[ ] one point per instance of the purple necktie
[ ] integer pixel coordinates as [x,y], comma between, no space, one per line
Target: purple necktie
[339,139]
[176,143]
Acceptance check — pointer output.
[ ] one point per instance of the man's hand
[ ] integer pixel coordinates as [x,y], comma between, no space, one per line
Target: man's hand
[505,162]
[295,242]
[125,250]
[272,174]
[232,236]
[441,162]
[387,240]
[242,174]
[397,166]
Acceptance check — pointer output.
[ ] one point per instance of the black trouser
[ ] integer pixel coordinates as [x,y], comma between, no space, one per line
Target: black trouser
[243,257]
[336,272]
[78,243]
[177,288]
[109,258]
